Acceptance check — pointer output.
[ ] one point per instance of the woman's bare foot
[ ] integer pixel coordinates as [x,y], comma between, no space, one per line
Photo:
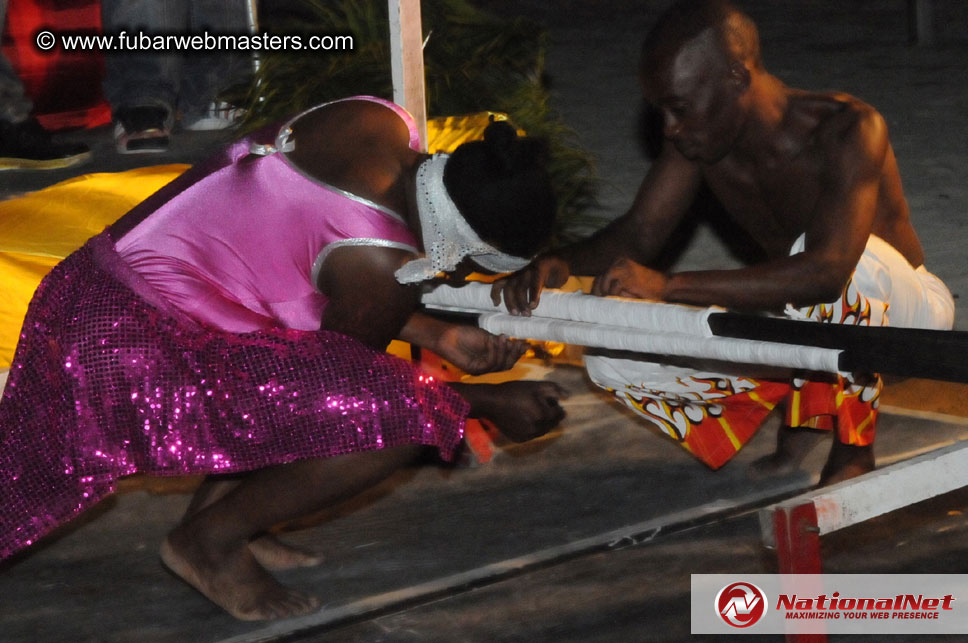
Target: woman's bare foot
[269,551]
[273,554]
[792,445]
[846,461]
[233,579]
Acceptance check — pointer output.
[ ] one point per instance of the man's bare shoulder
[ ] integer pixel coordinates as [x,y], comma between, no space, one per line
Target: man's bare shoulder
[839,120]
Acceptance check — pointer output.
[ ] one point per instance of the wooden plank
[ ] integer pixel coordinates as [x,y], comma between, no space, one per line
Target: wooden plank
[333,616]
[874,494]
[406,62]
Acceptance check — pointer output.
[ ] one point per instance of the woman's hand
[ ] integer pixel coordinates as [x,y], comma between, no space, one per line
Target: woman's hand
[521,410]
[477,351]
[469,348]
[522,290]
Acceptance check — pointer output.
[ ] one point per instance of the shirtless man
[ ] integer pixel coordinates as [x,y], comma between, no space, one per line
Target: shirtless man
[783,162]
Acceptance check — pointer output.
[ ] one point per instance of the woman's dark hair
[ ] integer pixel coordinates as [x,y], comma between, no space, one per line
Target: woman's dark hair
[502,188]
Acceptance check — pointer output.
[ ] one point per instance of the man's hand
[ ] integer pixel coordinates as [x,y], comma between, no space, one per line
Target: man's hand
[627,278]
[477,351]
[522,290]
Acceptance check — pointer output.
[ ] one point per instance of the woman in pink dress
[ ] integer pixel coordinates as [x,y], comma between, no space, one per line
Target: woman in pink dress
[235,323]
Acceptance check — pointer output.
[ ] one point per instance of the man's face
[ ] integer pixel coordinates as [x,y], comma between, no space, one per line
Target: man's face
[699,102]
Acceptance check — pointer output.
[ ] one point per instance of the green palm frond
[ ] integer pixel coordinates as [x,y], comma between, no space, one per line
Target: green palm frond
[474,62]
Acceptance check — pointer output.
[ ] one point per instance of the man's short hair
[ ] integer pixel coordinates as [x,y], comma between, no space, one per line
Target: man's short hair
[735,31]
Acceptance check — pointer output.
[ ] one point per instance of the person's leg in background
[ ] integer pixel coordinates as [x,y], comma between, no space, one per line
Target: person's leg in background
[142,87]
[24,144]
[208,74]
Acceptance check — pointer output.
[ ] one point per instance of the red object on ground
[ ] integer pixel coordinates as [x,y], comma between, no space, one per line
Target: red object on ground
[798,551]
[64,85]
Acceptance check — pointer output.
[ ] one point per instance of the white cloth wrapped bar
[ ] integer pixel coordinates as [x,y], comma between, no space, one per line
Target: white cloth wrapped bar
[475,297]
[626,324]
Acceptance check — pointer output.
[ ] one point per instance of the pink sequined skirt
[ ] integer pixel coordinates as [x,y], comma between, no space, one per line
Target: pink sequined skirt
[109,380]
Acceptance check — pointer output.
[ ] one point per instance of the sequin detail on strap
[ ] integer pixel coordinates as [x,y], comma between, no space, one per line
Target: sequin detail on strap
[105,385]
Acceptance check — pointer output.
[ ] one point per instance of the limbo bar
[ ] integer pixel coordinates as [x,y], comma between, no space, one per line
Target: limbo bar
[713,333]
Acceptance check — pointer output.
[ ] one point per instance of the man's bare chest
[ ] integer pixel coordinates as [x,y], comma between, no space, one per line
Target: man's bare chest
[774,205]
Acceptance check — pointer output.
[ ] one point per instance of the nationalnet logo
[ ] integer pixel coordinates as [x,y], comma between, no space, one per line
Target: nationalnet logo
[829,603]
[899,606]
[741,604]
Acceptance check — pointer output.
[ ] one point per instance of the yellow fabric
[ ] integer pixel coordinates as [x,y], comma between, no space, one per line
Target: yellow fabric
[446,133]
[41,228]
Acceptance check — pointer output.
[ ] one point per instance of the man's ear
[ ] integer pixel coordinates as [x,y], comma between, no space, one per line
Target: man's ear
[739,76]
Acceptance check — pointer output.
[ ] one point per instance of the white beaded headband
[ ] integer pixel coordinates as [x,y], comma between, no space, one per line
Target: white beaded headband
[447,237]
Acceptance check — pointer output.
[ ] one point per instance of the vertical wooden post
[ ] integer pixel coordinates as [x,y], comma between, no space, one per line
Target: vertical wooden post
[798,550]
[406,61]
[798,540]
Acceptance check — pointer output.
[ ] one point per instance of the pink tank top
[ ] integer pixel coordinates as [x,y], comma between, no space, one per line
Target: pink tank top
[240,247]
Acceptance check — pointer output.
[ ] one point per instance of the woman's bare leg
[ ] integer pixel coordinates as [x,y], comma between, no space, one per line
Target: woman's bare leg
[210,550]
[269,550]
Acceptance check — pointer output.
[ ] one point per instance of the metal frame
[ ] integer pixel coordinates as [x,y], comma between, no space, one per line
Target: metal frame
[794,527]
